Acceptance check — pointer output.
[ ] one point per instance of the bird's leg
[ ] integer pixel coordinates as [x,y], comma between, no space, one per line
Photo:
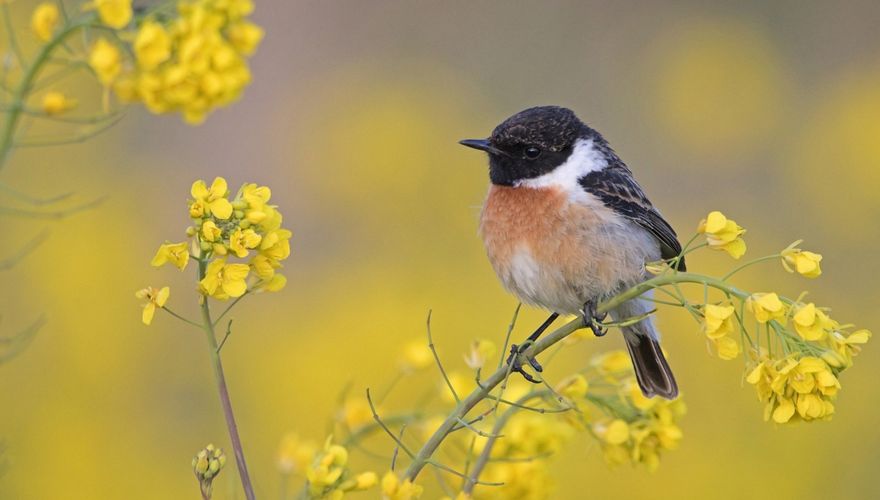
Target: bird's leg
[592,320]
[515,358]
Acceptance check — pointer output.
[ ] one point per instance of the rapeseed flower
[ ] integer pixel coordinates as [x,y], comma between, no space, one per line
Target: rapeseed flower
[723,234]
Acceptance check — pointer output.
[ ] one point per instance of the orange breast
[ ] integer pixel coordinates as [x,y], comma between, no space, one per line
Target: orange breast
[541,220]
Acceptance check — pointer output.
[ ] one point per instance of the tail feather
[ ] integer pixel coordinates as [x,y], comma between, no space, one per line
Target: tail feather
[652,371]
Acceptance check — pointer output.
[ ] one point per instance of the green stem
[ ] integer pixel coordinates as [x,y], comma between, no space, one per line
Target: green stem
[483,459]
[20,94]
[750,263]
[208,326]
[482,392]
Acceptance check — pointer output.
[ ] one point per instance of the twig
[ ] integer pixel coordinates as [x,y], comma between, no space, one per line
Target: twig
[397,448]
[509,333]
[56,215]
[17,343]
[181,318]
[228,333]
[385,427]
[12,260]
[482,392]
[230,306]
[32,199]
[437,359]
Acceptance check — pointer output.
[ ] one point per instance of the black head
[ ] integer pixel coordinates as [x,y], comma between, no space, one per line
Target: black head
[530,143]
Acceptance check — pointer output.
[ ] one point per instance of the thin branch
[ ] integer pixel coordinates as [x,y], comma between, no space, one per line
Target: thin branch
[12,346]
[33,200]
[12,260]
[509,333]
[228,333]
[385,427]
[397,448]
[229,307]
[437,359]
[74,139]
[181,318]
[56,214]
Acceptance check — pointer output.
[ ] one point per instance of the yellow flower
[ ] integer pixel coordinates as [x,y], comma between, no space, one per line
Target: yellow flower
[614,432]
[805,263]
[106,61]
[240,241]
[276,245]
[211,200]
[573,387]
[210,232]
[55,103]
[152,45]
[273,284]
[723,234]
[765,307]
[245,37]
[718,320]
[327,468]
[811,323]
[355,412]
[155,298]
[294,454]
[416,356]
[481,351]
[726,347]
[844,347]
[612,362]
[795,388]
[114,13]
[224,280]
[175,253]
[395,489]
[44,20]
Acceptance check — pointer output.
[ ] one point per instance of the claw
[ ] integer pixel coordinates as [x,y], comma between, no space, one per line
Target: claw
[593,320]
[515,362]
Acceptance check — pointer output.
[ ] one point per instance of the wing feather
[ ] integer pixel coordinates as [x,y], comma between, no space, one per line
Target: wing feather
[618,190]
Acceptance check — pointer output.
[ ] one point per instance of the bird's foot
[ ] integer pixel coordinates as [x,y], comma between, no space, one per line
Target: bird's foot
[593,320]
[516,358]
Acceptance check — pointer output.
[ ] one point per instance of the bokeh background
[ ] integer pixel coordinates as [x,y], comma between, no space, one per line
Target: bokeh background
[768,111]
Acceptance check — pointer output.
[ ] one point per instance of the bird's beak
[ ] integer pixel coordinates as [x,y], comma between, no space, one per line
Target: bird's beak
[482,145]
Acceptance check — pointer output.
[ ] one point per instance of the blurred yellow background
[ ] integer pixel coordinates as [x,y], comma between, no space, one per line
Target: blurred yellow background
[765,110]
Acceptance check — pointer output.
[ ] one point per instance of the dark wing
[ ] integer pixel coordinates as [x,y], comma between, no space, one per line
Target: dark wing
[618,190]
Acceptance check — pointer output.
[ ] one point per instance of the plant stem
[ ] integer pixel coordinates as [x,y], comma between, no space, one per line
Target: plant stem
[20,94]
[483,459]
[423,456]
[208,326]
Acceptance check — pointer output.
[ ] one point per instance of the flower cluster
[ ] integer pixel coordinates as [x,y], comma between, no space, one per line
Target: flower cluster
[635,429]
[206,465]
[192,62]
[195,63]
[328,475]
[811,348]
[794,388]
[238,242]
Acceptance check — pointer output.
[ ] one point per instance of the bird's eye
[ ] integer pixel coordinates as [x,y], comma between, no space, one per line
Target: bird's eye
[532,152]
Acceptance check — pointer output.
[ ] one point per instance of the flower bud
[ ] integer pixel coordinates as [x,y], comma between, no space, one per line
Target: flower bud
[238,214]
[191,231]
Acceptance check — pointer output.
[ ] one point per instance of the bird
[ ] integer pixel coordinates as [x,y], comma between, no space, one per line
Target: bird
[565,226]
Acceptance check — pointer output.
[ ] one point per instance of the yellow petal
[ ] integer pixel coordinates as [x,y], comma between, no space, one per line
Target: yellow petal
[783,412]
[199,190]
[149,311]
[221,208]
[716,221]
[162,296]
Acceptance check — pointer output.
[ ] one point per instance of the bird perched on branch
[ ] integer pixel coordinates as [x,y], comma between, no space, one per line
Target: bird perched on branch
[566,226]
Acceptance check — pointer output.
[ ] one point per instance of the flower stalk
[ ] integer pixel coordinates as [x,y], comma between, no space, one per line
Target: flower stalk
[225,401]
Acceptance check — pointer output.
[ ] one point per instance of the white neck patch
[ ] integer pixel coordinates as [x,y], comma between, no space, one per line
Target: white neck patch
[583,159]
